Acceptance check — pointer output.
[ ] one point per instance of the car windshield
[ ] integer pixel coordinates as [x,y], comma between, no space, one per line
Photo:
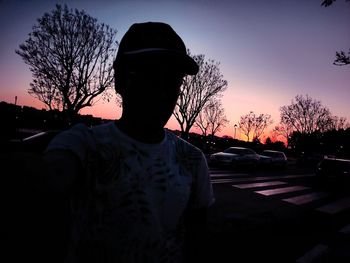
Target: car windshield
[233,150]
[334,164]
[238,151]
[338,163]
[273,154]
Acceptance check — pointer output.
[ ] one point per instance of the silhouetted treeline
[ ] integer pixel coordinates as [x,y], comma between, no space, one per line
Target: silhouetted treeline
[211,144]
[314,145]
[20,121]
[307,148]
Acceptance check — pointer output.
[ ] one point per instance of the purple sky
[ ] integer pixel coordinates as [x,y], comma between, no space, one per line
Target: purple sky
[269,51]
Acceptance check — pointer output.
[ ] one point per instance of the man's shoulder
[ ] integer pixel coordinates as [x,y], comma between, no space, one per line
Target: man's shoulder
[103,129]
[79,135]
[183,145]
[83,128]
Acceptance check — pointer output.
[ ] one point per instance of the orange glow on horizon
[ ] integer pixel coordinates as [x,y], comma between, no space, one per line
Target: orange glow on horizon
[111,111]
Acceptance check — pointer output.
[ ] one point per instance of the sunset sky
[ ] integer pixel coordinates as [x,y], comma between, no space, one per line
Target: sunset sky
[269,51]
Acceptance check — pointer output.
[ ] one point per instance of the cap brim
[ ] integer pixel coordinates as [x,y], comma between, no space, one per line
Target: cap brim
[167,58]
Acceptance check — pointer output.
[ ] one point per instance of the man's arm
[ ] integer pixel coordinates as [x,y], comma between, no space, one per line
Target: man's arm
[63,169]
[53,172]
[196,215]
[196,234]
[35,201]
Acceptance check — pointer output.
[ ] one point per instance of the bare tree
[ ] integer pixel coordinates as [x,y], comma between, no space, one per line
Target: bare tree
[327,3]
[283,131]
[246,124]
[341,58]
[306,115]
[253,126]
[197,91]
[261,123]
[69,54]
[339,123]
[212,118]
[202,122]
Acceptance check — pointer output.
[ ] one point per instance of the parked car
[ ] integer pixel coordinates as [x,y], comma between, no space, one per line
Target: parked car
[234,157]
[34,143]
[309,158]
[273,158]
[334,170]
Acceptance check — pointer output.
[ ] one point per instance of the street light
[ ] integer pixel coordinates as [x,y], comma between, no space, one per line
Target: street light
[234,136]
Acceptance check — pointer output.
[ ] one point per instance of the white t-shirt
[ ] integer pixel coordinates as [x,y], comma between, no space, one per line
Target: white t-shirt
[131,199]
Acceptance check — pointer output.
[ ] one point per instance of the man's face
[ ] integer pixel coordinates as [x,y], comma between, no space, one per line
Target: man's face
[152,94]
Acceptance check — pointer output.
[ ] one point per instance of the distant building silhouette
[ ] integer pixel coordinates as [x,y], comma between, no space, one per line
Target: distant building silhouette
[21,121]
[18,122]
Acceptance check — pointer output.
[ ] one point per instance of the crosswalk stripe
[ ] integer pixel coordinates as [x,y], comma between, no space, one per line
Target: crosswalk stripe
[222,181]
[266,178]
[297,176]
[227,175]
[314,254]
[253,179]
[335,207]
[223,172]
[306,198]
[345,230]
[282,190]
[255,185]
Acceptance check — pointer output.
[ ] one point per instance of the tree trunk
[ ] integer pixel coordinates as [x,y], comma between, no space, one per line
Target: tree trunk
[184,135]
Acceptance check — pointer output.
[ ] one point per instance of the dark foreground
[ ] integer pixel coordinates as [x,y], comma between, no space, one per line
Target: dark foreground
[243,226]
[247,227]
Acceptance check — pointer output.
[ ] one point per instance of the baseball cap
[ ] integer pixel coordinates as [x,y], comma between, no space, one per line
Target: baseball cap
[154,42]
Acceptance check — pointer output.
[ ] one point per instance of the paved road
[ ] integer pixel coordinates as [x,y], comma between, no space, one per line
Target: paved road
[277,216]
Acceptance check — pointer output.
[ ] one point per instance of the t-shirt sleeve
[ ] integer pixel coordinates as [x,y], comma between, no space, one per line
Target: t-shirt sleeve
[76,140]
[203,195]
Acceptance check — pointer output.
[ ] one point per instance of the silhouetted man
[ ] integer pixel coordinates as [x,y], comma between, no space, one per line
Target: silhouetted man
[138,192]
